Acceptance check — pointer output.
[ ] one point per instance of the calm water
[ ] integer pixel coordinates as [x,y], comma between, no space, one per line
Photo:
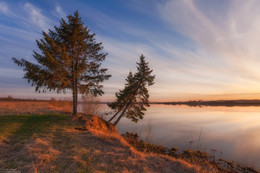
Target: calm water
[233,131]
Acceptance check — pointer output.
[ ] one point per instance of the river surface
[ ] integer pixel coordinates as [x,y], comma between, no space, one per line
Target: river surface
[234,132]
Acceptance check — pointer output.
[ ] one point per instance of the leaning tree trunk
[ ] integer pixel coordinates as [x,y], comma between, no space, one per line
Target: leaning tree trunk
[128,104]
[121,115]
[113,116]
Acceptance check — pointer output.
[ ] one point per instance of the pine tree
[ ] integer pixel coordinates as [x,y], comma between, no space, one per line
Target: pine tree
[70,59]
[133,99]
[122,96]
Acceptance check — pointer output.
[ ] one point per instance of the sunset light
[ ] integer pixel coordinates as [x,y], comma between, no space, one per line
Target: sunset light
[197,49]
[130,86]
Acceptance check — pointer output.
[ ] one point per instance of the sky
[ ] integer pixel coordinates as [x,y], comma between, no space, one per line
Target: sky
[198,49]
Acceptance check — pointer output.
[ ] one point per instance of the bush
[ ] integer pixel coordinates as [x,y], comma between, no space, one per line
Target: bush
[9,97]
[90,105]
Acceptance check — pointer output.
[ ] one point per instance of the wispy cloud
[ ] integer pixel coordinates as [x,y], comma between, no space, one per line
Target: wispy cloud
[59,11]
[229,37]
[17,39]
[231,34]
[174,72]
[4,8]
[36,16]
[195,47]
[223,60]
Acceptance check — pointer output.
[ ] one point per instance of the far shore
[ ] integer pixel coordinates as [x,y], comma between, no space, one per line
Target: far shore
[200,103]
[228,103]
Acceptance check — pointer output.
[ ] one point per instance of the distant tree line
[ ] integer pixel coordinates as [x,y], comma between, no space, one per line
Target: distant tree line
[215,103]
[11,98]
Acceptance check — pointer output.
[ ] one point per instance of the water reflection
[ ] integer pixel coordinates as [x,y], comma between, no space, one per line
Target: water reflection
[235,131]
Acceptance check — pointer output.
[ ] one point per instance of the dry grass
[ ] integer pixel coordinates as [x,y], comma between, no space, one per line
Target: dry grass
[50,143]
[34,141]
[61,105]
[113,154]
[30,107]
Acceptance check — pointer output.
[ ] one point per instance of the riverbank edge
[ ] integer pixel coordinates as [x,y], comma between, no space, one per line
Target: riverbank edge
[204,160]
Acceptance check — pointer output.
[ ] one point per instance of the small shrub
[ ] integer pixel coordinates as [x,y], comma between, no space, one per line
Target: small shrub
[53,101]
[9,97]
[90,105]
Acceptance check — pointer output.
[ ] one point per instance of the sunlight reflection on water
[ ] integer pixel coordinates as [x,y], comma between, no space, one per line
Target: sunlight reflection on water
[235,131]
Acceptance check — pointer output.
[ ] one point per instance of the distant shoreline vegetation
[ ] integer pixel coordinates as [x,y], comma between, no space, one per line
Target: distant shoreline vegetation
[10,98]
[228,103]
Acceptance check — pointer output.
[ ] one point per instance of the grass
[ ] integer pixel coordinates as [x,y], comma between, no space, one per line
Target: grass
[50,143]
[19,134]
[203,159]
[21,127]
[34,108]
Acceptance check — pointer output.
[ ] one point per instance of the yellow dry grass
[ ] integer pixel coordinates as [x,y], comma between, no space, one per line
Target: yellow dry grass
[29,107]
[52,144]
[64,149]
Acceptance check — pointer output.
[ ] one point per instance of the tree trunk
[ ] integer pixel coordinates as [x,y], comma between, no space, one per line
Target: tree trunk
[128,104]
[113,116]
[75,99]
[121,115]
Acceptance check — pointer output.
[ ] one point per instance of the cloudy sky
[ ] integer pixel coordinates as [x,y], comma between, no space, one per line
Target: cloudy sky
[198,49]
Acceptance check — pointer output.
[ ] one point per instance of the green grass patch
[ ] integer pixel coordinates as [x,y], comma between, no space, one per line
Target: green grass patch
[21,127]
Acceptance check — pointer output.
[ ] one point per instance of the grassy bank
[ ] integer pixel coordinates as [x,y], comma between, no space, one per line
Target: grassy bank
[200,158]
[51,143]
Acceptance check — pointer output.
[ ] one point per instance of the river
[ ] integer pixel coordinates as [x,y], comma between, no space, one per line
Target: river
[234,132]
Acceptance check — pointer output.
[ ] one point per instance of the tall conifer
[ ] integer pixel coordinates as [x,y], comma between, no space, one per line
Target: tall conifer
[70,59]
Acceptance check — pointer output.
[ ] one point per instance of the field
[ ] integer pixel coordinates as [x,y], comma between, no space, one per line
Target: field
[36,141]
[34,107]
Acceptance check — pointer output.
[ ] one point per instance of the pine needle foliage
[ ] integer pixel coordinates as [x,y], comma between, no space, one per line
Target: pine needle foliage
[134,98]
[70,59]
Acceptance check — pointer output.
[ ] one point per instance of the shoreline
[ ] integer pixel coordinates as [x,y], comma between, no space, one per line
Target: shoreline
[190,158]
[227,103]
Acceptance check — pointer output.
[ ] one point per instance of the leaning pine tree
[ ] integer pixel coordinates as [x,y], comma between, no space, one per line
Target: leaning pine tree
[70,59]
[122,96]
[133,99]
